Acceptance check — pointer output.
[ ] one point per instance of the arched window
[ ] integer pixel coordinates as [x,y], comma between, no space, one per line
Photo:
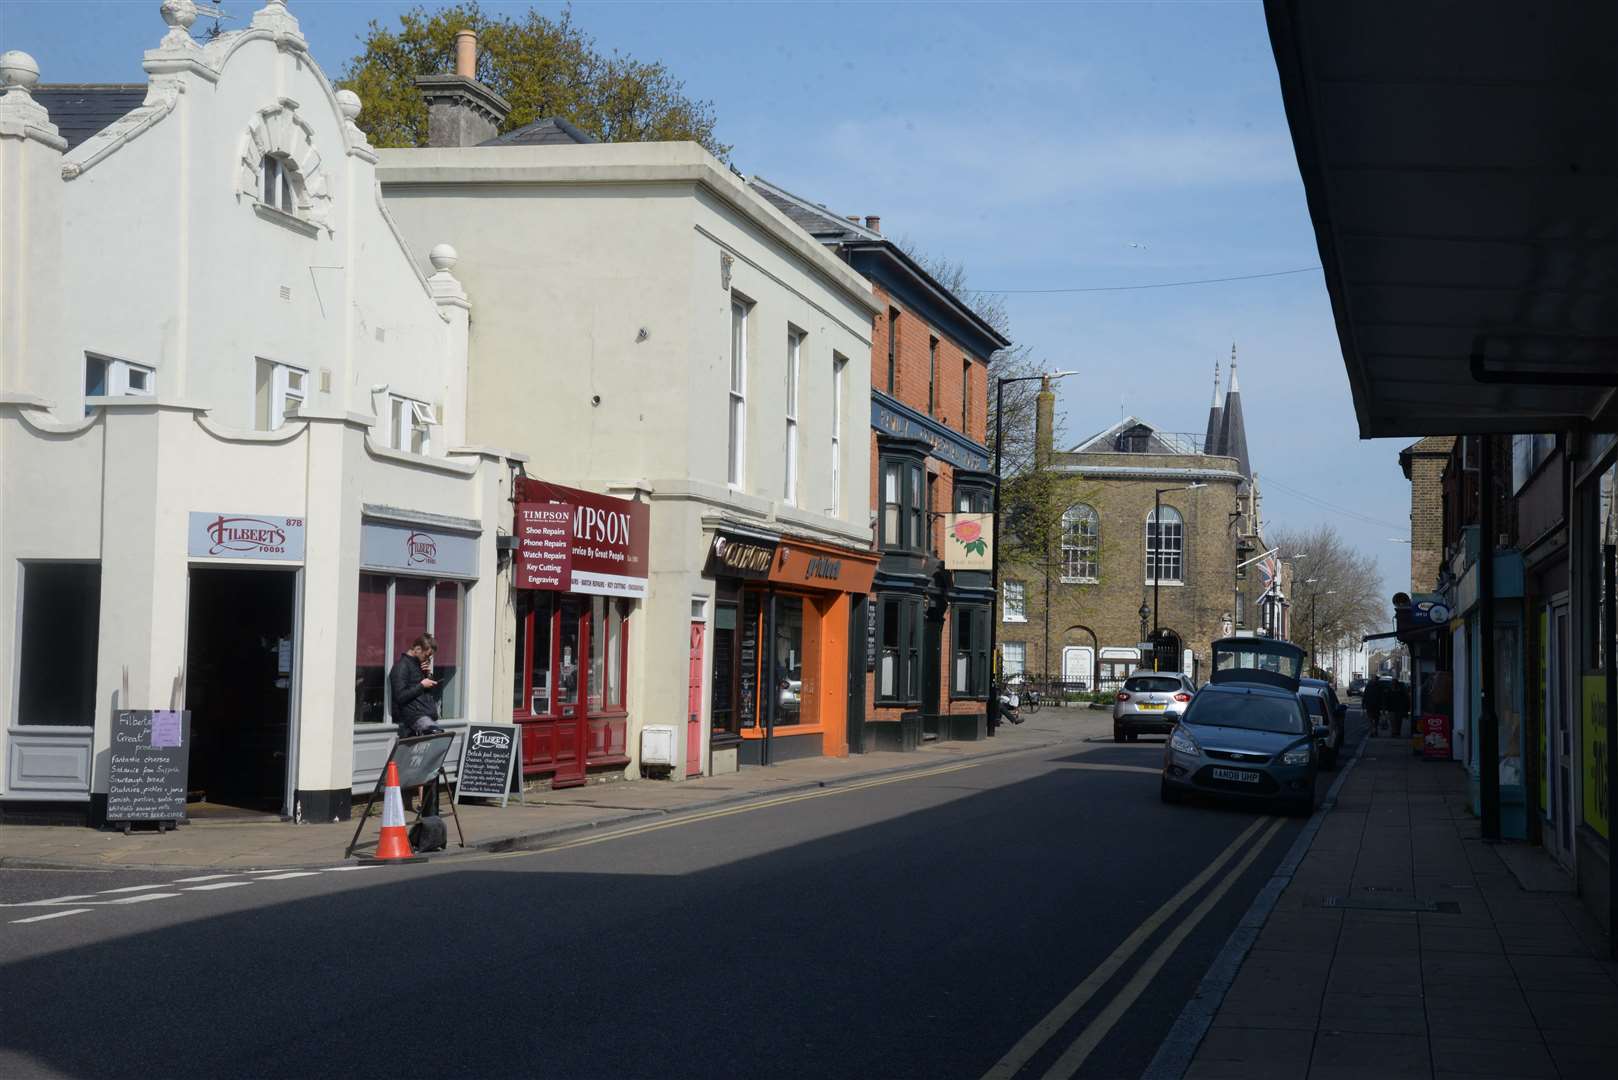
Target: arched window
[1081,543]
[1165,546]
[276,190]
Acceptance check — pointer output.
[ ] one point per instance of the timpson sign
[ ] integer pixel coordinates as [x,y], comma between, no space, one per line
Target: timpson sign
[576,541]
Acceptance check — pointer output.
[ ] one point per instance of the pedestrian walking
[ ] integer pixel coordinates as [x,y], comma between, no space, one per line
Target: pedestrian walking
[1371,702]
[1398,706]
[415,702]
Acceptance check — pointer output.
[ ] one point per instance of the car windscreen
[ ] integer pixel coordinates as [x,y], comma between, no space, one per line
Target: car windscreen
[1315,703]
[1255,712]
[1152,684]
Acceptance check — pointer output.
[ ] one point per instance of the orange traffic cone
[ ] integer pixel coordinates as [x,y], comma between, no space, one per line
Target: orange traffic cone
[394,844]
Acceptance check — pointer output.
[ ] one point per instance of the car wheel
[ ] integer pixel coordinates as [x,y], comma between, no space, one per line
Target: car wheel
[1168,794]
[1117,734]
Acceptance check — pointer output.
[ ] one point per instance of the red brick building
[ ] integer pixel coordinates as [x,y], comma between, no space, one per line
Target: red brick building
[927,627]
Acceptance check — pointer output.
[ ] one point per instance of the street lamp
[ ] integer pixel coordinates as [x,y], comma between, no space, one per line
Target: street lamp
[1144,613]
[992,707]
[1157,555]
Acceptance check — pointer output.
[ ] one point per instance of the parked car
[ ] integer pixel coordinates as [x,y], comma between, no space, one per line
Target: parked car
[1321,701]
[1150,703]
[1247,735]
[1356,686]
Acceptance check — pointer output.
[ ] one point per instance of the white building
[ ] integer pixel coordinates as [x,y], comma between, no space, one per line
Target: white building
[232,432]
[651,329]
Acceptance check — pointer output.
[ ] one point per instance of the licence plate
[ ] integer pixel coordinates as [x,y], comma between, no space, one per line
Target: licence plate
[1236,774]
[1147,707]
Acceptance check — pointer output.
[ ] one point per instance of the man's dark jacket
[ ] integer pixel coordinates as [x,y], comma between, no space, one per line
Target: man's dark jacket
[411,700]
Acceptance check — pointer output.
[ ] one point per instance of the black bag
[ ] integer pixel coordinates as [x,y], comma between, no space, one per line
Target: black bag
[429,834]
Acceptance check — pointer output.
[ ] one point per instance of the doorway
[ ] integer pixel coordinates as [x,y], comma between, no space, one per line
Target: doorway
[239,661]
[1558,765]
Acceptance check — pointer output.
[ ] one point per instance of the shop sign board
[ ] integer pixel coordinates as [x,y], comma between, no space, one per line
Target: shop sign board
[611,538]
[1435,736]
[416,549]
[265,537]
[891,417]
[149,765]
[821,568]
[489,766]
[968,541]
[740,557]
[1597,799]
[870,634]
[545,546]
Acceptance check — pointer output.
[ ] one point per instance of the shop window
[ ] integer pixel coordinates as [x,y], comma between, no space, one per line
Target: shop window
[555,637]
[393,613]
[903,505]
[1165,545]
[969,674]
[789,662]
[105,376]
[60,627]
[1013,658]
[567,658]
[278,390]
[1081,544]
[410,424]
[1014,601]
[898,671]
[722,708]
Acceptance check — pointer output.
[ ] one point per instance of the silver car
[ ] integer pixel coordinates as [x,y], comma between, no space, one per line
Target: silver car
[1150,702]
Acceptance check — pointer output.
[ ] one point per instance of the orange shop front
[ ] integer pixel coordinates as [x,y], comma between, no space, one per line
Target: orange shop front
[784,626]
[579,578]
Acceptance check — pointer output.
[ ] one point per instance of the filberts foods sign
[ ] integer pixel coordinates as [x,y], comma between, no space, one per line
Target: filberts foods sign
[264,537]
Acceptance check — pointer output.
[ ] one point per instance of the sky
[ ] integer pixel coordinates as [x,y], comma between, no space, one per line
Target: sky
[1047,146]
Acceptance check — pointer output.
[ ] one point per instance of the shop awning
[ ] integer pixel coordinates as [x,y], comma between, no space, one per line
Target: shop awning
[1460,163]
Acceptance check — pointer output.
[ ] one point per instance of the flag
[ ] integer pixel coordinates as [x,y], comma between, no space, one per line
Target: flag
[1269,569]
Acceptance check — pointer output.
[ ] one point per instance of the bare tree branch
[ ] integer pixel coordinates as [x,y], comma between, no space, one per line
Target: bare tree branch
[1338,585]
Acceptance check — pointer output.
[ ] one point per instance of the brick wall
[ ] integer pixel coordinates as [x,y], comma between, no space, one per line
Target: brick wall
[1428,459]
[911,368]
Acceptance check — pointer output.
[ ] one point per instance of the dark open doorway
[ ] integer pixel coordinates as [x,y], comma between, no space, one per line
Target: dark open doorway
[238,687]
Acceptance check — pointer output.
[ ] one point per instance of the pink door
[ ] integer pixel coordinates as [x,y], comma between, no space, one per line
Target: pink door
[693,722]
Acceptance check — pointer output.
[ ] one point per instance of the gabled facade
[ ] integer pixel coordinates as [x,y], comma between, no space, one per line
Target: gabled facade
[928,625]
[232,430]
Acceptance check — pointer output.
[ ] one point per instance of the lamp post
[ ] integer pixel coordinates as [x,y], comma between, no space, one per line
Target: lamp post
[1157,555]
[992,706]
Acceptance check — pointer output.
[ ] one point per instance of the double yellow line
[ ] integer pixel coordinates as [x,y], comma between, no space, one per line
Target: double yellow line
[1073,1058]
[743,808]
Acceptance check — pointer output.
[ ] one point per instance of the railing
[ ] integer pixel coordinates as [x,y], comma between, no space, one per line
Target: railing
[1054,690]
[1160,442]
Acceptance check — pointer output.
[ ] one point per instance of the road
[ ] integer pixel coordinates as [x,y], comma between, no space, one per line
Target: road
[1013,917]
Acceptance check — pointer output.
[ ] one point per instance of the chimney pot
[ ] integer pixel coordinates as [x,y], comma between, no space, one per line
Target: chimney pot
[873,223]
[466,53]
[855,218]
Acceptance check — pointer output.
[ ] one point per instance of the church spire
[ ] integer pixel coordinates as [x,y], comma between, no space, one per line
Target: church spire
[1234,438]
[1210,442]
[1234,389]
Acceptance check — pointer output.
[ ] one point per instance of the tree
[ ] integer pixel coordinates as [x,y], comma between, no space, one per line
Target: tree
[1340,584]
[1017,413]
[544,67]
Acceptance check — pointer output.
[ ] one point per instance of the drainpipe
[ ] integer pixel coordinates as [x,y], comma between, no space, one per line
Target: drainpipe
[1488,722]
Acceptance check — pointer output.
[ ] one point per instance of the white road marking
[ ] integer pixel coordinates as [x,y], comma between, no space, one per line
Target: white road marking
[52,915]
[340,869]
[291,874]
[52,900]
[204,877]
[132,888]
[217,885]
[144,897]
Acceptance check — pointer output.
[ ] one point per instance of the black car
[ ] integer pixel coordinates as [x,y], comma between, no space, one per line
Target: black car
[1356,686]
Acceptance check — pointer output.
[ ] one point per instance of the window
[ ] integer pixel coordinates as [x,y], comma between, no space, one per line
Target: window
[277,184]
[554,633]
[973,500]
[969,674]
[1013,601]
[410,425]
[393,612]
[1528,452]
[927,522]
[893,347]
[736,470]
[839,365]
[61,626]
[1081,544]
[105,376]
[789,492]
[1013,658]
[966,395]
[1165,542]
[932,375]
[898,669]
[788,682]
[278,390]
[903,510]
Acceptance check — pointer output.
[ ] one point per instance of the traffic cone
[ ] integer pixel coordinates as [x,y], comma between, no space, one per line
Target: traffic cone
[394,844]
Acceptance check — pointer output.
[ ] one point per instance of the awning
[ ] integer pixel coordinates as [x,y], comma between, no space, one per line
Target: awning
[1459,163]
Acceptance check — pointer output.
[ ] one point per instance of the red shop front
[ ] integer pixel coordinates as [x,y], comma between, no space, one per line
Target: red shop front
[580,572]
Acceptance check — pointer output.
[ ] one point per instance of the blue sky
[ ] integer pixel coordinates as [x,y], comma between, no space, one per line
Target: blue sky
[1046,145]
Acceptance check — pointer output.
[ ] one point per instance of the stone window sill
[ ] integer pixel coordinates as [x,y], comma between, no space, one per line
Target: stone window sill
[284,219]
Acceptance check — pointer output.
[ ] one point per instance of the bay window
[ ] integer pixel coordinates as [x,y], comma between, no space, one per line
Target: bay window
[969,673]
[898,669]
[903,517]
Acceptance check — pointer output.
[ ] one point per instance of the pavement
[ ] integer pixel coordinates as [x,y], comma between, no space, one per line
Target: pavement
[546,816]
[1405,947]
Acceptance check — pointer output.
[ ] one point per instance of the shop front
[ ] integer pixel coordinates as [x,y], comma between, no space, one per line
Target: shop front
[784,644]
[580,575]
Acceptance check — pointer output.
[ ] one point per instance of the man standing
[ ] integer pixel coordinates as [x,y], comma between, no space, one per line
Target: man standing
[415,705]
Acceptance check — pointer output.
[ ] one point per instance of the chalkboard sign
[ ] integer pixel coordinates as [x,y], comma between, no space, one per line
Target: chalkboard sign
[870,633]
[491,763]
[150,760]
[420,758]
[747,681]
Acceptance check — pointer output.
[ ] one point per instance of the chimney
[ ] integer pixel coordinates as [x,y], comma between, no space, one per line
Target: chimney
[1044,423]
[873,223]
[854,218]
[460,110]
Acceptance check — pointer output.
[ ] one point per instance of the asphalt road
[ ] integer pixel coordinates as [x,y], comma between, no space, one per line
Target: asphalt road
[1010,912]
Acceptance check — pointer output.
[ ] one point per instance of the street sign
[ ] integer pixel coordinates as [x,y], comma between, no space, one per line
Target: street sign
[149,764]
[491,763]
